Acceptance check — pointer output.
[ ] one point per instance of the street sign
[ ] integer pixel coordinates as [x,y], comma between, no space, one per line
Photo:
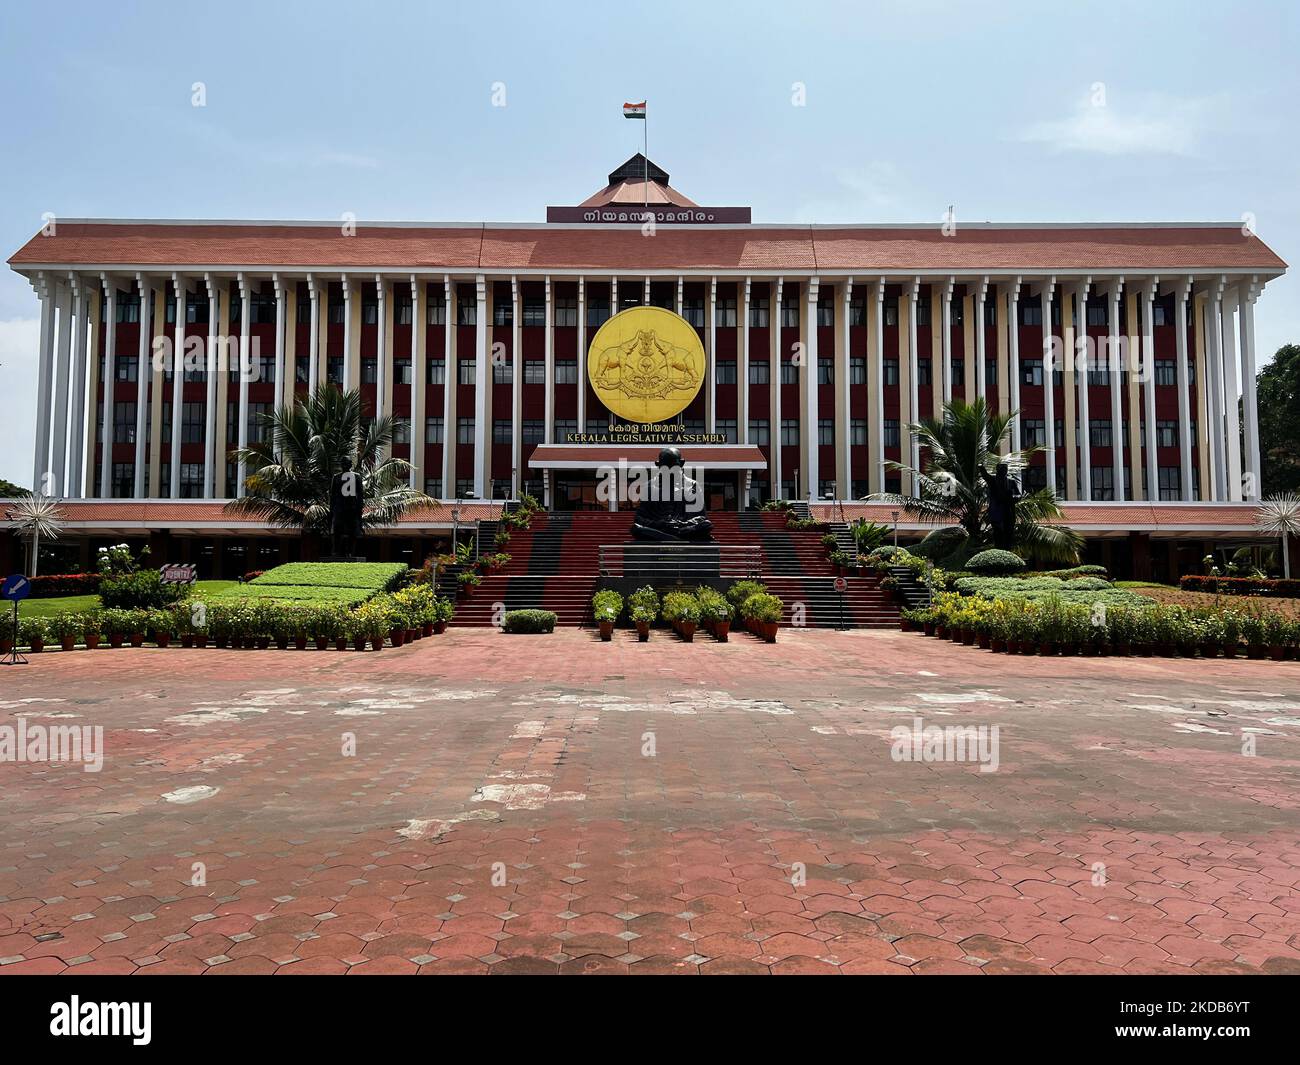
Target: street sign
[178,573]
[841,585]
[15,587]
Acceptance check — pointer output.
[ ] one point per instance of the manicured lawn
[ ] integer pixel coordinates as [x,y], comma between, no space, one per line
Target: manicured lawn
[344,583]
[47,608]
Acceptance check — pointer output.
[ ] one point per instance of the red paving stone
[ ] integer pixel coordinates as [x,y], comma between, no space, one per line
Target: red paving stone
[500,814]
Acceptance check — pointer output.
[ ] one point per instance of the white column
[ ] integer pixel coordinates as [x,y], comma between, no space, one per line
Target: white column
[1082,364]
[1149,389]
[383,402]
[981,296]
[77,445]
[1214,375]
[517,391]
[1231,385]
[645,299]
[549,367]
[582,355]
[212,367]
[1114,305]
[245,373]
[742,374]
[1049,393]
[1013,360]
[45,290]
[1250,402]
[281,306]
[945,340]
[774,383]
[843,408]
[143,375]
[110,377]
[314,369]
[1183,293]
[178,384]
[914,385]
[878,396]
[419,383]
[448,391]
[710,363]
[482,382]
[808,431]
[681,282]
[62,374]
[349,351]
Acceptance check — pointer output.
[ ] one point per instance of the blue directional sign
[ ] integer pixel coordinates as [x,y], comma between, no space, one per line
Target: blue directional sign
[15,587]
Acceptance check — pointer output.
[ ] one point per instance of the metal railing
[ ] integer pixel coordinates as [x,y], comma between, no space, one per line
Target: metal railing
[681,562]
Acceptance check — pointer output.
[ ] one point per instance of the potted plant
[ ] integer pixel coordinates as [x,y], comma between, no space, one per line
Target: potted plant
[114,624]
[163,623]
[606,606]
[764,611]
[1274,635]
[301,622]
[32,632]
[446,611]
[715,613]
[645,606]
[682,612]
[1231,633]
[323,624]
[368,618]
[91,628]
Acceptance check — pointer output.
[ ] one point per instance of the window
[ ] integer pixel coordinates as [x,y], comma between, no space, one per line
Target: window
[1098,377]
[724,313]
[401,430]
[789,373]
[402,311]
[693,311]
[534,372]
[262,309]
[128,310]
[503,312]
[760,431]
[958,311]
[464,430]
[1099,432]
[127,369]
[858,432]
[1033,432]
[725,373]
[433,487]
[564,428]
[300,369]
[759,371]
[501,431]
[826,432]
[465,371]
[825,371]
[858,371]
[334,369]
[790,312]
[1166,434]
[466,311]
[1163,314]
[1031,372]
[857,310]
[596,426]
[436,314]
[402,372]
[860,488]
[192,423]
[1031,313]
[369,311]
[826,489]
[534,431]
[534,310]
[1058,436]
[825,310]
[1171,481]
[597,310]
[923,311]
[369,371]
[1103,482]
[758,312]
[1034,478]
[1098,315]
[923,372]
[123,480]
[891,371]
[433,430]
[1166,373]
[891,310]
[435,372]
[990,313]
[465,488]
[892,435]
[789,432]
[124,423]
[503,372]
[566,310]
[258,431]
[566,372]
[958,372]
[232,424]
[728,428]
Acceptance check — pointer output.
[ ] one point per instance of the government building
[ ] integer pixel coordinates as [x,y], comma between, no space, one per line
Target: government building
[818,345]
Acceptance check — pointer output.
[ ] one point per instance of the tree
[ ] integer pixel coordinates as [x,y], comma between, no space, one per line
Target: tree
[1278,390]
[36,516]
[288,483]
[966,440]
[9,490]
[1280,515]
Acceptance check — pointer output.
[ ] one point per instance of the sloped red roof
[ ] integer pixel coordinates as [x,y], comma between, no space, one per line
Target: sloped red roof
[556,247]
[634,192]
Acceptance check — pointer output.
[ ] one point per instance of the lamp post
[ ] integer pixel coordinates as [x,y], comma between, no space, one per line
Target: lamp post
[894,514]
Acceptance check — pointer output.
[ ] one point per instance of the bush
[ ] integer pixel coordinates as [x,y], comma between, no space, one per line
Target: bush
[61,584]
[1076,571]
[143,589]
[742,590]
[1263,586]
[607,605]
[1087,590]
[949,546]
[868,535]
[681,606]
[645,600]
[713,604]
[530,621]
[30,630]
[762,607]
[995,562]
[371,576]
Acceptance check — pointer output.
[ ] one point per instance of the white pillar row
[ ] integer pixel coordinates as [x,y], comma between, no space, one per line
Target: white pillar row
[517,390]
[45,290]
[742,371]
[382,400]
[843,420]
[914,296]
[549,367]
[1231,389]
[710,363]
[1082,364]
[315,372]
[142,383]
[178,384]
[981,297]
[448,390]
[878,395]
[281,306]
[1152,465]
[1013,360]
[77,439]
[945,339]
[1114,305]
[110,379]
[1250,400]
[1183,293]
[213,367]
[809,432]
[774,383]
[419,383]
[1049,393]
[349,351]
[245,373]
[482,382]
[582,355]
[1214,335]
[58,465]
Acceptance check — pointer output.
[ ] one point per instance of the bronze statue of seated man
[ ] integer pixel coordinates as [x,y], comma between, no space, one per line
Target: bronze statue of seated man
[662,516]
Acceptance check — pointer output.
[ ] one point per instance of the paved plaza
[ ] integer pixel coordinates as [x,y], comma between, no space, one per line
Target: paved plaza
[482,803]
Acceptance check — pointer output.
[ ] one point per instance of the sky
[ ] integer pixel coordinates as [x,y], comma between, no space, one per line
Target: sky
[807,112]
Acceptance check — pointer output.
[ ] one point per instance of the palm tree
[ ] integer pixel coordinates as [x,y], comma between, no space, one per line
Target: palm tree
[1280,515]
[289,477]
[35,516]
[950,489]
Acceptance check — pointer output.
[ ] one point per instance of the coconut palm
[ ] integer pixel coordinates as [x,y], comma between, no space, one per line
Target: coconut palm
[288,482]
[1280,515]
[966,440]
[36,516]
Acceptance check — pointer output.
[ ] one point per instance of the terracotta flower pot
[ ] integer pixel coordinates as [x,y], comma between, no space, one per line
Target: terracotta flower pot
[439,627]
[92,642]
[1123,650]
[300,641]
[68,643]
[322,643]
[1255,650]
[928,628]
[968,636]
[643,631]
[282,641]
[162,639]
[377,642]
[263,642]
[686,630]
[397,636]
[904,625]
[38,645]
[997,646]
[1046,647]
[769,631]
[115,639]
[428,628]
[721,630]
[360,642]
[983,641]
[137,639]
[1229,650]
[220,641]
[340,643]
[412,635]
[187,639]
[1277,653]
[606,630]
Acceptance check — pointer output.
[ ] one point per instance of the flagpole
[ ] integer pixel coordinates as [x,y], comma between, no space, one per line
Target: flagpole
[645,155]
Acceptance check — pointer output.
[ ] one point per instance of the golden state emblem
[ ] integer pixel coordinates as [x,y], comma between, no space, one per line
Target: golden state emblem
[646,364]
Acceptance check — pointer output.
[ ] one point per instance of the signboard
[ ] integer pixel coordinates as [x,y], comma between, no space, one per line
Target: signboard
[178,573]
[646,433]
[15,587]
[663,214]
[841,585]
[646,364]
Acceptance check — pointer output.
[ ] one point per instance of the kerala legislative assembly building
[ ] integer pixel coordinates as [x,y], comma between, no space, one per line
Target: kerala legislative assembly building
[819,344]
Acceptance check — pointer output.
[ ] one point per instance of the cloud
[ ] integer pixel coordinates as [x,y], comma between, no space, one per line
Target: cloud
[1147,125]
[19,343]
[864,192]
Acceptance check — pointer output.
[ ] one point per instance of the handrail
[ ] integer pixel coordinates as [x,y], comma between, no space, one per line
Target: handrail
[681,561]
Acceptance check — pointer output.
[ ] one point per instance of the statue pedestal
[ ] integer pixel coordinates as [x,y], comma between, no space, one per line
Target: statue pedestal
[342,558]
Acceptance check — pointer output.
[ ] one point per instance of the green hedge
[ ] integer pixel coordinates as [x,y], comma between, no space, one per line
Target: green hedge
[995,562]
[528,621]
[1086,590]
[373,576]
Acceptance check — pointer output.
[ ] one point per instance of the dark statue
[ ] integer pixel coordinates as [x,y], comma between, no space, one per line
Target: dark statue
[662,515]
[346,504]
[1003,493]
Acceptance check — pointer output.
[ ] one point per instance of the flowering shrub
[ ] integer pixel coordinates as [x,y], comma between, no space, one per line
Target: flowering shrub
[1240,585]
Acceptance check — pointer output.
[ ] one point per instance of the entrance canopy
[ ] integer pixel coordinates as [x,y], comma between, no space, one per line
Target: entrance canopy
[598,456]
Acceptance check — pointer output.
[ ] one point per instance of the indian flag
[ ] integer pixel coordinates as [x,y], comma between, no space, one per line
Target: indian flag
[634,110]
